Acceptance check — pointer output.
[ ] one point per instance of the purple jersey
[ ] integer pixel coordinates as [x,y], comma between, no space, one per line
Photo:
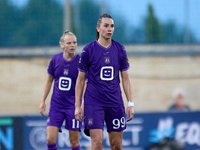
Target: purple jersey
[102,66]
[65,74]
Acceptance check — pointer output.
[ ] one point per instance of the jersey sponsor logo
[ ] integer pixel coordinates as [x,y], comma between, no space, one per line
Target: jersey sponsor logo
[65,72]
[65,83]
[107,60]
[107,73]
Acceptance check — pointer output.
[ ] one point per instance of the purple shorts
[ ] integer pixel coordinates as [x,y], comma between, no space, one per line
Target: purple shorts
[56,118]
[94,117]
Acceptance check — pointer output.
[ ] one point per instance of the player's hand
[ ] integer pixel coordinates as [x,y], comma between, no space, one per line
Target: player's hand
[130,113]
[78,113]
[42,108]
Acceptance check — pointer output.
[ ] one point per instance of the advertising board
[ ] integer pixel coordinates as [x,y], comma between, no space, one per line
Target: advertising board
[11,133]
[144,130]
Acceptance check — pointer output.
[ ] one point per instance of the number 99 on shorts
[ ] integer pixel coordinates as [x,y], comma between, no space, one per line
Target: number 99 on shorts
[119,123]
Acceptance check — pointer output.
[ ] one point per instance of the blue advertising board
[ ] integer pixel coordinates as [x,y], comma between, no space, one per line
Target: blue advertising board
[11,131]
[148,128]
[142,131]
[35,135]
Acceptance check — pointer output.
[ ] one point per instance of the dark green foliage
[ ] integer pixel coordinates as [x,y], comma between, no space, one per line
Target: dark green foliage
[40,23]
[154,32]
[37,24]
[171,33]
[120,29]
[175,33]
[88,15]
[9,15]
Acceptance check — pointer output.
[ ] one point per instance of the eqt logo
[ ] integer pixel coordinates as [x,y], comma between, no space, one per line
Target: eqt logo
[107,73]
[65,83]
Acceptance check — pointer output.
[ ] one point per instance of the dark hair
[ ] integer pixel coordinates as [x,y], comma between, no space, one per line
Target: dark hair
[99,22]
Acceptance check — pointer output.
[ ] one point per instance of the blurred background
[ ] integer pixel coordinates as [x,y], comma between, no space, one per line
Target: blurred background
[162,39]
[26,23]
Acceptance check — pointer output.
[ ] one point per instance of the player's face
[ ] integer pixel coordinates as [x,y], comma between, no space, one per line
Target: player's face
[106,28]
[69,44]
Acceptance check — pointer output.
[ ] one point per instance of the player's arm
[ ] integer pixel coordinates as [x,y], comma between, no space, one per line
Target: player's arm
[46,90]
[80,82]
[126,83]
[82,103]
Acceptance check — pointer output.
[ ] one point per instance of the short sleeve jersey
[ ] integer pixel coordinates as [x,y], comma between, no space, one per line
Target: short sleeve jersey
[65,74]
[102,66]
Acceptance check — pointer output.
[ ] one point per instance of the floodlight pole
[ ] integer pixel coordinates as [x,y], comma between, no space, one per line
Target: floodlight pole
[103,7]
[67,16]
[187,19]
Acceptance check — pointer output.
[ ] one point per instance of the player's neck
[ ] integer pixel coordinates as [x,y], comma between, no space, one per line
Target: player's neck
[104,42]
[68,56]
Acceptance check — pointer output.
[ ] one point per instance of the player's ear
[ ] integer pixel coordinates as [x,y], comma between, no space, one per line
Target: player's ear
[62,45]
[97,28]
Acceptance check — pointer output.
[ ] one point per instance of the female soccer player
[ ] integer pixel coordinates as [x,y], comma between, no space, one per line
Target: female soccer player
[63,69]
[102,60]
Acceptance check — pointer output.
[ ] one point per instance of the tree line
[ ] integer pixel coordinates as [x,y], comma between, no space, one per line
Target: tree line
[40,23]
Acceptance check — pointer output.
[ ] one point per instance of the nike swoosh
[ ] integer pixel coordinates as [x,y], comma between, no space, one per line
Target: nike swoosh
[105,53]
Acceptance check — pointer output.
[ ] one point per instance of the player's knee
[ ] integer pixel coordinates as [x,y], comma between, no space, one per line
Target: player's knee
[97,143]
[74,142]
[51,140]
[115,145]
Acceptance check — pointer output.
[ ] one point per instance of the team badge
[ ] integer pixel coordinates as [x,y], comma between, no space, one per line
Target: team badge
[65,72]
[90,121]
[107,60]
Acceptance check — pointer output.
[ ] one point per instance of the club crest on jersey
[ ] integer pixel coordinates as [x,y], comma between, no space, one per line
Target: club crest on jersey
[65,72]
[107,60]
[90,121]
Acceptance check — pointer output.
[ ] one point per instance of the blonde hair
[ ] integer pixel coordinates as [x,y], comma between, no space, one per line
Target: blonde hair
[63,36]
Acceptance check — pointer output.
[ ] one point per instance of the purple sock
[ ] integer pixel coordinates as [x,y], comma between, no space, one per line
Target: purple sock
[52,146]
[76,148]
